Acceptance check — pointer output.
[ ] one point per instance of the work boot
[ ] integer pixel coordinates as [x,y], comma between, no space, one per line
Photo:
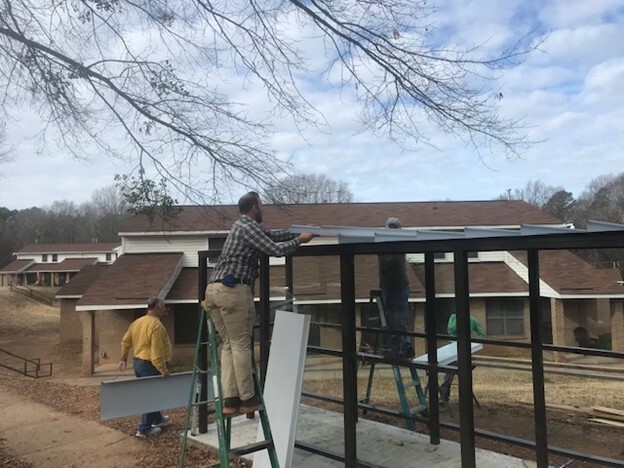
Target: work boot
[250,406]
[231,405]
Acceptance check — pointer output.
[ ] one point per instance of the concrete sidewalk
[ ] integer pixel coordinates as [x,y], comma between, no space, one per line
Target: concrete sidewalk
[47,438]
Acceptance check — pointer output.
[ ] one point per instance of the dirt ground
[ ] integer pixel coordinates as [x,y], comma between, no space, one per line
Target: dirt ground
[32,330]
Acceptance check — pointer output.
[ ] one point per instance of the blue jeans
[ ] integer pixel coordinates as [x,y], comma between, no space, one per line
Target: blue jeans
[395,307]
[145,369]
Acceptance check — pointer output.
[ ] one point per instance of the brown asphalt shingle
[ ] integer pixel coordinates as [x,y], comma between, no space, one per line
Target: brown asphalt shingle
[100,247]
[483,278]
[133,279]
[82,280]
[412,214]
[16,266]
[569,274]
[69,264]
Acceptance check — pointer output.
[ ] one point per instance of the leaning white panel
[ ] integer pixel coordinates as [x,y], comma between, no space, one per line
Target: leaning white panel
[282,388]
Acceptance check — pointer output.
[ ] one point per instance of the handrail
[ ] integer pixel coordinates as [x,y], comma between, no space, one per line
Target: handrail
[31,367]
[30,292]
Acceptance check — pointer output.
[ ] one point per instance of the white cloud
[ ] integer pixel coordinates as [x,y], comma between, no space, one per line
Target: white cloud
[571,93]
[571,13]
[583,46]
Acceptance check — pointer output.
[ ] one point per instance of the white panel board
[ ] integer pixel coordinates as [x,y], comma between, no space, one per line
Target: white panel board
[119,398]
[282,389]
[447,354]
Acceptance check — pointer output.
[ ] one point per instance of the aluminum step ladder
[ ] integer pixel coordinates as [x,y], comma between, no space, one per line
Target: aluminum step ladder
[406,409]
[223,422]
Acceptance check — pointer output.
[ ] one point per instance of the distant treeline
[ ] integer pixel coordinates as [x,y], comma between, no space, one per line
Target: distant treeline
[63,221]
[99,220]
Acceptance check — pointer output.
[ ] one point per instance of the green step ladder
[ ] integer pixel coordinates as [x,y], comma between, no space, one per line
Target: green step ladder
[406,409]
[223,422]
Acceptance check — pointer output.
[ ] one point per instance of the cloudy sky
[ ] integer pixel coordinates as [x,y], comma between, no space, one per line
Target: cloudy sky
[570,91]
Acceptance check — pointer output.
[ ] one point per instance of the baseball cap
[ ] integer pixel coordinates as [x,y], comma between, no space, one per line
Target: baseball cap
[393,222]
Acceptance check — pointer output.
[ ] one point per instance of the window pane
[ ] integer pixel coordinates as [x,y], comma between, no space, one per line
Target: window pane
[495,326]
[186,323]
[515,326]
[213,244]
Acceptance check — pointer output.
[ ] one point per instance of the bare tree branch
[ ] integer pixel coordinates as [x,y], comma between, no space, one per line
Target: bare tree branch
[191,88]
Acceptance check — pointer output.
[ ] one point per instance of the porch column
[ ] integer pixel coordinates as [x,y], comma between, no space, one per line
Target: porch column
[87,319]
[617,325]
[558,327]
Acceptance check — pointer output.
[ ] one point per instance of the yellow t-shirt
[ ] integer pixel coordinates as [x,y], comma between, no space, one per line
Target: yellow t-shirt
[149,340]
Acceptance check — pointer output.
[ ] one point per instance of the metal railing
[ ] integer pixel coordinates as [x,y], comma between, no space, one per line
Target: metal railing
[33,294]
[27,367]
[460,247]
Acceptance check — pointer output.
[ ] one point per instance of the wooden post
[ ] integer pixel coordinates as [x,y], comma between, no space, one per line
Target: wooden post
[617,325]
[87,319]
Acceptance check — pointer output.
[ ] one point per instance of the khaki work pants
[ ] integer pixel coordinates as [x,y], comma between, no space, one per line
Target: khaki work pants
[233,312]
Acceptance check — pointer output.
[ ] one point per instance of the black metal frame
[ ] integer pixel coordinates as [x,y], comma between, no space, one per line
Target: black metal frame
[460,247]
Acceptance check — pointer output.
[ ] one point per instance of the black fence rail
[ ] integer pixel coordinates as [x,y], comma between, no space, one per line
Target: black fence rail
[33,294]
[29,367]
[351,357]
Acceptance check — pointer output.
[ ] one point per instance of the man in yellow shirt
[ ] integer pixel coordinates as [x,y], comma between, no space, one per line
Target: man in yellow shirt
[149,340]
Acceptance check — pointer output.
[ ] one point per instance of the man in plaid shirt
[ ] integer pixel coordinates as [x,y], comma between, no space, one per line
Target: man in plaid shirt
[229,298]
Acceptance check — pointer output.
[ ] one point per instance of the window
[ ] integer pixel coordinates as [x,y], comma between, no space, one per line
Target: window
[44,258]
[439,255]
[215,243]
[109,257]
[54,257]
[185,323]
[505,316]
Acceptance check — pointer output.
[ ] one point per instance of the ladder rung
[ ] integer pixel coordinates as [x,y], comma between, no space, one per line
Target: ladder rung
[250,448]
[417,409]
[199,403]
[412,383]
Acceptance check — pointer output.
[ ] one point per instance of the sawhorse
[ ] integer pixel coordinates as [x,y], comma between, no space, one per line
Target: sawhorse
[447,355]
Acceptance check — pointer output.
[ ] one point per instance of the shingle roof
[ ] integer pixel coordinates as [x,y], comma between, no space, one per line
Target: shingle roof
[132,280]
[69,264]
[570,275]
[484,278]
[91,247]
[16,266]
[185,286]
[82,280]
[317,279]
[411,214]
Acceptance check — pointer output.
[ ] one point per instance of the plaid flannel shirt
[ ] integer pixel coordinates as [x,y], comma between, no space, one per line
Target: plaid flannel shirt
[244,244]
